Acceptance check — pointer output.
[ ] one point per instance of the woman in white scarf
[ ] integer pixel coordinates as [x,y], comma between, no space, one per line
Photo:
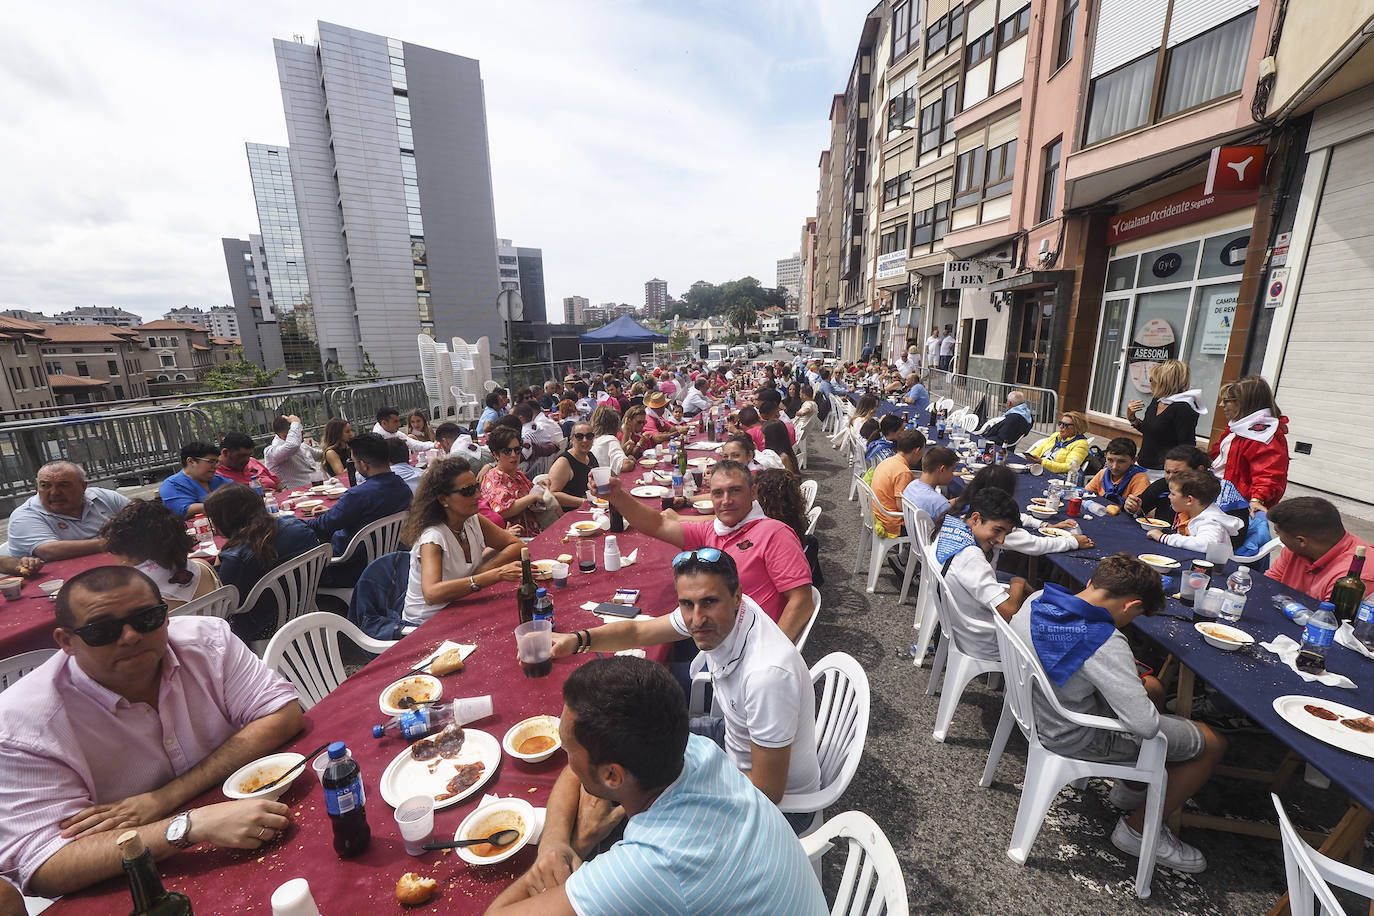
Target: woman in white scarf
[1253,454]
[1171,419]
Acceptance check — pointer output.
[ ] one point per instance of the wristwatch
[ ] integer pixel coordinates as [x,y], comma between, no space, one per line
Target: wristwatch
[179,831]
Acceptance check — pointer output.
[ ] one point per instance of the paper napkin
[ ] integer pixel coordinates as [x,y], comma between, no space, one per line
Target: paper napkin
[1287,651]
[1346,637]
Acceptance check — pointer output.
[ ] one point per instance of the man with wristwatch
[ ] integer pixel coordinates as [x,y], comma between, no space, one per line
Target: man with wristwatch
[133,718]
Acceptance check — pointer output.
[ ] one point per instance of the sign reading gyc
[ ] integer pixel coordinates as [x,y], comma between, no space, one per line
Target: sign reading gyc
[965,275]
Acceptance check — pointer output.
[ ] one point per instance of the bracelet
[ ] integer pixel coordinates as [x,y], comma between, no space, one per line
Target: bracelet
[584,641]
[472,584]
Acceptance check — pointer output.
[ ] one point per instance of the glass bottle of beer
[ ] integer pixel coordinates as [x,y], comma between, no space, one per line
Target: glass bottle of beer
[145,884]
[682,459]
[1348,591]
[524,597]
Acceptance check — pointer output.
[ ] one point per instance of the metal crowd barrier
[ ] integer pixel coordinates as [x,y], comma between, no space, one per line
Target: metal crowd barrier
[989,399]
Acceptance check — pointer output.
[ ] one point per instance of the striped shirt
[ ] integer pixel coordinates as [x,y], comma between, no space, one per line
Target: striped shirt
[711,843]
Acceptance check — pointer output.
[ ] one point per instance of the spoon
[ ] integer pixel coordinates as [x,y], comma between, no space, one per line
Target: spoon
[499,838]
[308,757]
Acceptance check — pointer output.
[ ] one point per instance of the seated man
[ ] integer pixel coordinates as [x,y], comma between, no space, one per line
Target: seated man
[388,426]
[541,435]
[962,550]
[937,470]
[495,408]
[884,445]
[698,837]
[658,419]
[1120,476]
[770,409]
[185,491]
[1012,426]
[916,392]
[772,567]
[1079,642]
[63,519]
[889,480]
[758,676]
[1317,549]
[1154,499]
[382,493]
[1200,523]
[236,462]
[399,456]
[697,399]
[136,716]
[294,461]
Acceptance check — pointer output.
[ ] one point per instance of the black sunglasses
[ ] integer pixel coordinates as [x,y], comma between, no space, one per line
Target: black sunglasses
[469,490]
[584,436]
[512,451]
[107,630]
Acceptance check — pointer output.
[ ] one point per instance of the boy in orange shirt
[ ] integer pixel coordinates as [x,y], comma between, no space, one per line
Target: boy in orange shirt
[1121,477]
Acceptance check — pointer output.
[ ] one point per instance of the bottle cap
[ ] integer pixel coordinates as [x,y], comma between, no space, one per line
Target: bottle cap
[377,732]
[337,750]
[1326,606]
[540,593]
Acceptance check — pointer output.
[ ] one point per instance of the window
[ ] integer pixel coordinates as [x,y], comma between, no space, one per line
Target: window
[901,111]
[894,239]
[980,49]
[906,28]
[943,31]
[1001,167]
[937,119]
[931,224]
[1049,180]
[896,188]
[119,392]
[1014,26]
[968,177]
[19,346]
[1197,68]
[1067,22]
[81,369]
[36,376]
[113,367]
[167,361]
[980,337]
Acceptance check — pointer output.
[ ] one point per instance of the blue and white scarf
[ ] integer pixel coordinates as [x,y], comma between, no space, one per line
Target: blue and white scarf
[1066,630]
[954,537]
[1117,491]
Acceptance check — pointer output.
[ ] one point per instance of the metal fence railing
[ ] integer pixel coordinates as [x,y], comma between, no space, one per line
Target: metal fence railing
[988,398]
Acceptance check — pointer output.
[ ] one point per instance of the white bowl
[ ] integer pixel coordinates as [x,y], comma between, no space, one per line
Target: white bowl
[1042,512]
[267,766]
[434,685]
[1221,636]
[1152,523]
[529,728]
[486,820]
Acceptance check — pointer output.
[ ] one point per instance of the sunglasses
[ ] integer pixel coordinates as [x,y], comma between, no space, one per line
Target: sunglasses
[704,554]
[512,451]
[469,490]
[583,436]
[103,632]
[1064,423]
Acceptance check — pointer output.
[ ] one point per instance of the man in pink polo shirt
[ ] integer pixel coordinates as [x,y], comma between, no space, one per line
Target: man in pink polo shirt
[658,419]
[1317,549]
[772,567]
[136,716]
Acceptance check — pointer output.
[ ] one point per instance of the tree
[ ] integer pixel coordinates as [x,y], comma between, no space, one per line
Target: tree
[680,340]
[239,373]
[741,313]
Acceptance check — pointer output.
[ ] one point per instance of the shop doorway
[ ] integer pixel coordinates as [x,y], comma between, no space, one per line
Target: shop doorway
[1028,343]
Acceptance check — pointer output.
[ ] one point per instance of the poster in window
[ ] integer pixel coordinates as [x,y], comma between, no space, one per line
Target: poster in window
[1219,313]
[1154,342]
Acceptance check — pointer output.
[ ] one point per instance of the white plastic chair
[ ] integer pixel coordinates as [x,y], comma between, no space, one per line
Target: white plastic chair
[878,547]
[1310,873]
[841,729]
[306,652]
[944,404]
[373,540]
[16,666]
[220,603]
[955,658]
[923,528]
[813,515]
[857,465]
[872,882]
[1263,553]
[811,622]
[1047,772]
[969,422]
[293,584]
[808,491]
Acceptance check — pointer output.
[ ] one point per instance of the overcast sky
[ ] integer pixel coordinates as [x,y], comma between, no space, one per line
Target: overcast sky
[629,140]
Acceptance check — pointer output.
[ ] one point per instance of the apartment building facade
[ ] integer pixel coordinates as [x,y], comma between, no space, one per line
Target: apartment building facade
[23,378]
[95,362]
[177,350]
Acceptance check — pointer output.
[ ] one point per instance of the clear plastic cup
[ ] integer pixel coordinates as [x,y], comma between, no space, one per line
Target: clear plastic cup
[415,820]
[534,644]
[602,478]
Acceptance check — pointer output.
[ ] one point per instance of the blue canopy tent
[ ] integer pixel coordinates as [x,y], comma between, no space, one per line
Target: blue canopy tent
[622,336]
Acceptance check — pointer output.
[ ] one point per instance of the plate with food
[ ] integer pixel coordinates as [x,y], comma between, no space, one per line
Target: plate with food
[597,502]
[309,503]
[408,692]
[335,492]
[251,779]
[533,740]
[1042,501]
[1056,532]
[1221,636]
[1335,723]
[648,462]
[1158,561]
[1148,523]
[704,504]
[650,492]
[542,569]
[586,529]
[450,766]
[703,447]
[1017,466]
[1041,511]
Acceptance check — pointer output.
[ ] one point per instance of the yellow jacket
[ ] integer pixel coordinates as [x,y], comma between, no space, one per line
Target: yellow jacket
[1056,455]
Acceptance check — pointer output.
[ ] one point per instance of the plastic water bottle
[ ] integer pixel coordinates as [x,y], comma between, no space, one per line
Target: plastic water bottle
[1317,636]
[1096,508]
[1364,625]
[269,502]
[543,605]
[256,485]
[1293,609]
[1237,586]
[345,802]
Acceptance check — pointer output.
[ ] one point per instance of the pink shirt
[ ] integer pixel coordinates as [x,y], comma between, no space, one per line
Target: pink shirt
[1316,578]
[67,743]
[756,433]
[659,421]
[768,555]
[254,466]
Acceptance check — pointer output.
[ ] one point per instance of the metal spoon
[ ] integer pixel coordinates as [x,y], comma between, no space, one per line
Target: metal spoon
[499,838]
[308,757]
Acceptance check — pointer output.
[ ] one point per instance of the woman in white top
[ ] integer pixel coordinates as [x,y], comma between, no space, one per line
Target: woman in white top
[152,538]
[606,445]
[456,551]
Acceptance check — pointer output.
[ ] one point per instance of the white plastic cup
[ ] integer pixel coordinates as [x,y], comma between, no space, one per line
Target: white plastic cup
[1211,602]
[602,478]
[560,575]
[51,587]
[1219,553]
[294,899]
[415,820]
[470,709]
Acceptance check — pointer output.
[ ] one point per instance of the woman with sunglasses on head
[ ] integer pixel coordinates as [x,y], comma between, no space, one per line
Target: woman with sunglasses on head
[570,470]
[255,544]
[1067,448]
[147,536]
[1253,454]
[505,487]
[457,551]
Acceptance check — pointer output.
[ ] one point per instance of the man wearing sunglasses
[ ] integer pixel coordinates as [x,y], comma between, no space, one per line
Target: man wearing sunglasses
[760,682]
[134,718]
[185,491]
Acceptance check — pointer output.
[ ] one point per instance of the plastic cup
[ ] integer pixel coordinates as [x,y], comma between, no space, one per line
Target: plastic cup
[51,587]
[294,899]
[10,587]
[560,575]
[586,555]
[415,820]
[1211,602]
[534,644]
[1218,554]
[602,478]
[470,709]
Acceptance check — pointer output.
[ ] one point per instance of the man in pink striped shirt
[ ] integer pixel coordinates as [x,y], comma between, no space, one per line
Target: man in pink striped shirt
[134,718]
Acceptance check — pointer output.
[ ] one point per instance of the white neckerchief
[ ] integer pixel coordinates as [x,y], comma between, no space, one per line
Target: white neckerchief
[725,658]
[1261,426]
[1192,397]
[754,515]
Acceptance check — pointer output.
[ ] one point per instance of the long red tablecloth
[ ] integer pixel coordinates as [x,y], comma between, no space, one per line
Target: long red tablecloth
[225,881]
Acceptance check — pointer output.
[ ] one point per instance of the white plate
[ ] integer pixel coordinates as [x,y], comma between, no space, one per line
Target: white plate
[1148,523]
[264,765]
[1041,511]
[1220,636]
[309,503]
[405,776]
[583,532]
[703,447]
[648,462]
[529,728]
[436,688]
[1017,467]
[1332,732]
[701,462]
[650,491]
[703,505]
[1158,561]
[1056,532]
[474,826]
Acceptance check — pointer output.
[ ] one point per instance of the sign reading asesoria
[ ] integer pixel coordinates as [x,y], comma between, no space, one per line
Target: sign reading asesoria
[1179,209]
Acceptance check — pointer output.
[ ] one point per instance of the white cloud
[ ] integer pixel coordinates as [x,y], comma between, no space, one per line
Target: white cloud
[628,140]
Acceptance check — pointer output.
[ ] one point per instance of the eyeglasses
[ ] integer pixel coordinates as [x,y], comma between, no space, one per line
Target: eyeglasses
[470,490]
[1065,423]
[105,631]
[207,460]
[704,554]
[512,451]
[584,436]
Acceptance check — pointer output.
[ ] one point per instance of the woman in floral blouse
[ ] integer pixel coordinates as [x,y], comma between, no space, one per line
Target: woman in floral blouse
[505,487]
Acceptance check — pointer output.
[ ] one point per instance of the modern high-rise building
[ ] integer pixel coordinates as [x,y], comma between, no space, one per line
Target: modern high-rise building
[285,320]
[258,332]
[575,309]
[655,297]
[789,277]
[522,269]
[392,185]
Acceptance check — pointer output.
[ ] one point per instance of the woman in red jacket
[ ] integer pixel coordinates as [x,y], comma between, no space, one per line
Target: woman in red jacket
[1253,454]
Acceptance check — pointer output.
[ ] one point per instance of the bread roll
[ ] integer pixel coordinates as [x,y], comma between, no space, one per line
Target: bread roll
[413,890]
[448,663]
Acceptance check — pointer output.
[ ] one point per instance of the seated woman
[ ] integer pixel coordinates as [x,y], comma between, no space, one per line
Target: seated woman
[457,551]
[417,426]
[777,440]
[255,544]
[570,470]
[335,459]
[606,447]
[1067,448]
[505,487]
[147,535]
[740,448]
[633,439]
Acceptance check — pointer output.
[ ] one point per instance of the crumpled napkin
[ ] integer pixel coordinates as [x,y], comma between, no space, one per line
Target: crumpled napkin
[1287,651]
[536,829]
[629,558]
[1346,637]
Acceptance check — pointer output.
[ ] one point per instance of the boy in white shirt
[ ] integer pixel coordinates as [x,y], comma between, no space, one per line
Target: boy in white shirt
[1198,520]
[962,550]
